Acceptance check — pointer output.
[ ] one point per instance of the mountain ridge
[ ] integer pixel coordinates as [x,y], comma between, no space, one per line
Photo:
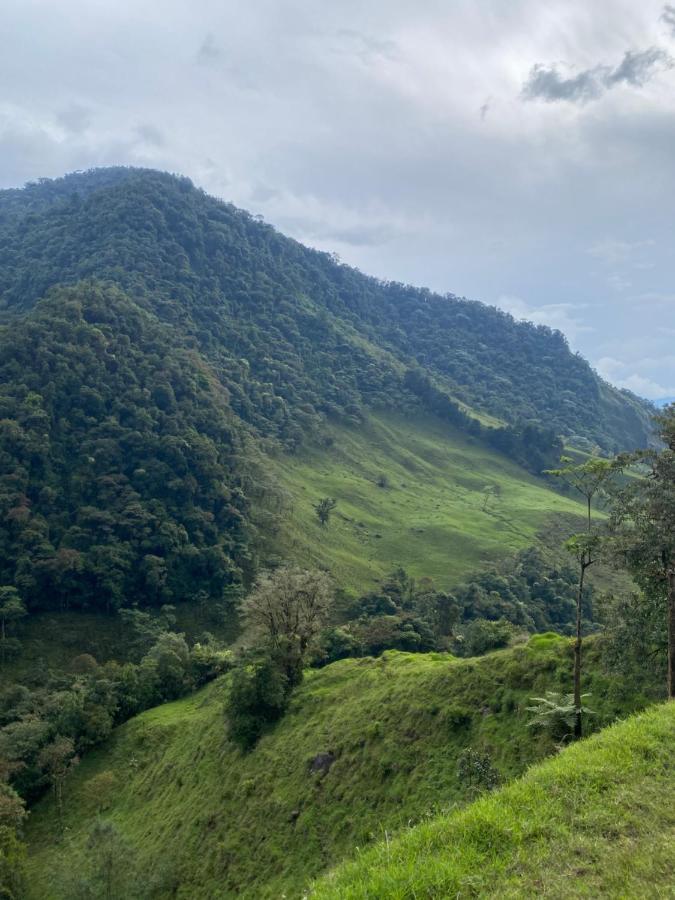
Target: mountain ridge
[157,234]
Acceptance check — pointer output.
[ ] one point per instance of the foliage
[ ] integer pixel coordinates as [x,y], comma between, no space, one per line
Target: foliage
[324,508]
[117,453]
[475,770]
[480,636]
[556,712]
[47,726]
[258,697]
[263,823]
[643,530]
[284,615]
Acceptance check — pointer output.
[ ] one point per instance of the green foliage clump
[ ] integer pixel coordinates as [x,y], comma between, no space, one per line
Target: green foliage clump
[258,697]
[46,726]
[117,451]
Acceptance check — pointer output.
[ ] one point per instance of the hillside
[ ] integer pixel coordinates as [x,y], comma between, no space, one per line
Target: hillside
[367,747]
[597,821]
[179,384]
[435,513]
[298,335]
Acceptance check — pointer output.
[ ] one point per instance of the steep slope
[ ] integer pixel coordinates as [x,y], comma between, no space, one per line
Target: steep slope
[597,821]
[412,491]
[293,330]
[183,347]
[367,747]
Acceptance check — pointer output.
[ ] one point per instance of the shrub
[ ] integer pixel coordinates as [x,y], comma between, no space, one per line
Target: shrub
[258,697]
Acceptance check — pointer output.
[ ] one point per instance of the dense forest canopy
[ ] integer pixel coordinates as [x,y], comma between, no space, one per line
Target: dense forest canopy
[293,324]
[153,335]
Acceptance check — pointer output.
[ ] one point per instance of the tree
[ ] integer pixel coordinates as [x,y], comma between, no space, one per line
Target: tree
[99,790]
[285,613]
[324,508]
[112,861]
[57,759]
[642,526]
[11,610]
[258,696]
[557,713]
[588,479]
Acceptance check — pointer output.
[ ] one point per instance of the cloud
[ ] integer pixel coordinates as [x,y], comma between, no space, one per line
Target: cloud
[74,118]
[209,51]
[668,16]
[150,135]
[618,373]
[636,68]
[561,316]
[612,251]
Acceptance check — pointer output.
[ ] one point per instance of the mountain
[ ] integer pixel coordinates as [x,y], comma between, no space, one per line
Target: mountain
[298,335]
[166,360]
[367,748]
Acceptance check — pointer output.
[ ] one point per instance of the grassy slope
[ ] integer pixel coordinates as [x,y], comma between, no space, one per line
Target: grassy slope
[430,519]
[225,825]
[597,821]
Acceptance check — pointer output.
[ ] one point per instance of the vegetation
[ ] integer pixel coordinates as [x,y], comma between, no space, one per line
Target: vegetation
[365,747]
[643,532]
[202,421]
[430,519]
[298,335]
[597,821]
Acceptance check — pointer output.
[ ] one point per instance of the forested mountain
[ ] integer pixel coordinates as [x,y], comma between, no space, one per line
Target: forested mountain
[297,335]
[154,336]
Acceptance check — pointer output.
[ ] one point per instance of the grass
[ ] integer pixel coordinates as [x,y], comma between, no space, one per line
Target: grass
[597,821]
[432,517]
[211,822]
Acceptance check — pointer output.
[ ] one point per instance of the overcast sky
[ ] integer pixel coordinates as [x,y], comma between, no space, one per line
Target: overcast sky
[521,153]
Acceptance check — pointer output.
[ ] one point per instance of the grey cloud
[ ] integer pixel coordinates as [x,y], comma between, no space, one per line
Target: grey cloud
[74,118]
[668,16]
[636,68]
[209,51]
[365,46]
[550,85]
[151,135]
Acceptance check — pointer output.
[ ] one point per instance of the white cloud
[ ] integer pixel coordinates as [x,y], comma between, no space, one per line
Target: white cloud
[618,373]
[566,317]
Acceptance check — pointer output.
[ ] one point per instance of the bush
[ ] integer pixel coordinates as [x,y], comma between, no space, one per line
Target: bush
[258,697]
[481,636]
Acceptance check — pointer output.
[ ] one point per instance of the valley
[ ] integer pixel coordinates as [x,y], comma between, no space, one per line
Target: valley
[293,573]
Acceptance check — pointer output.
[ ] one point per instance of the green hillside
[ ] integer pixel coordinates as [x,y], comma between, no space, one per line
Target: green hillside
[412,492]
[367,747]
[173,371]
[597,821]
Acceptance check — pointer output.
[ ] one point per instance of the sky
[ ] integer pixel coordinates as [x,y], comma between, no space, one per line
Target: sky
[520,153]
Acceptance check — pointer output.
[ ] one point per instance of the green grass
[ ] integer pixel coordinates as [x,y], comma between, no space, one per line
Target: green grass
[215,823]
[597,821]
[430,518]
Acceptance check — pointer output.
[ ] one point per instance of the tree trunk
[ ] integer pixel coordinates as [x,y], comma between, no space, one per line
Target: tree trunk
[671,634]
[577,657]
